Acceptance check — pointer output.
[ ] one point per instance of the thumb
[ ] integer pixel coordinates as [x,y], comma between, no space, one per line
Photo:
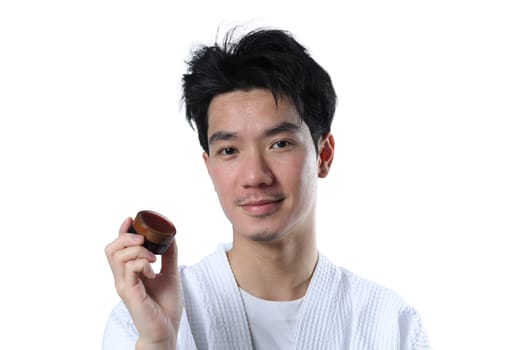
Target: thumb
[169,259]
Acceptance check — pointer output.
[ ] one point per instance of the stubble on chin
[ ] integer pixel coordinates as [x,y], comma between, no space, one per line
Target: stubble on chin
[265,236]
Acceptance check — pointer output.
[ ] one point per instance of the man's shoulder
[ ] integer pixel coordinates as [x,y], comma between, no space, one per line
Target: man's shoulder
[367,293]
[211,272]
[362,285]
[216,259]
[379,307]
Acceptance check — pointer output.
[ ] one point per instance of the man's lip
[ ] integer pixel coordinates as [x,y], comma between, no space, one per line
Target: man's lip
[261,207]
[259,202]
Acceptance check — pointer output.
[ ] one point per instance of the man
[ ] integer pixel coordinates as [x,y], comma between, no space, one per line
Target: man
[263,110]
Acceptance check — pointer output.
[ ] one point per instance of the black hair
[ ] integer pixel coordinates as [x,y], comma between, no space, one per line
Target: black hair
[264,58]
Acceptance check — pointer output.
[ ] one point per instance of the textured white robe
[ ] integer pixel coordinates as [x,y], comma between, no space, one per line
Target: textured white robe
[340,311]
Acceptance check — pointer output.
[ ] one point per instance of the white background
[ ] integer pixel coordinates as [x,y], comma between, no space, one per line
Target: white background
[426,194]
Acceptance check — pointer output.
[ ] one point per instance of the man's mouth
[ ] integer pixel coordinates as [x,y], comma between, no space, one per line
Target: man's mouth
[261,207]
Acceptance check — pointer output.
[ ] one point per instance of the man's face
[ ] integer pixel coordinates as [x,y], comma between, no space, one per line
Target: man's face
[263,164]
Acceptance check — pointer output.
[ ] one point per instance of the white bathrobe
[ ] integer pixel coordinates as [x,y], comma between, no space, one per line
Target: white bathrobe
[340,311]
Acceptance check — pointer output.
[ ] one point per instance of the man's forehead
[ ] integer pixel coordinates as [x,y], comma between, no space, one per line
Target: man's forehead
[256,108]
[251,97]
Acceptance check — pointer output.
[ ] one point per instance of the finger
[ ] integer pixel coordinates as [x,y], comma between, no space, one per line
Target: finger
[169,259]
[124,227]
[136,268]
[123,241]
[133,253]
[126,247]
[120,242]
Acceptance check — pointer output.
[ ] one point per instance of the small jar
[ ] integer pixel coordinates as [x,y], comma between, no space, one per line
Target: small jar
[158,231]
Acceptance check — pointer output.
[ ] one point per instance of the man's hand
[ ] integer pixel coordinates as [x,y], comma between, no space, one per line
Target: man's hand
[153,300]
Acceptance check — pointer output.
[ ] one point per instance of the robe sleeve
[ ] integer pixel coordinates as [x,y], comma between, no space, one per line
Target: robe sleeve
[120,333]
[413,335]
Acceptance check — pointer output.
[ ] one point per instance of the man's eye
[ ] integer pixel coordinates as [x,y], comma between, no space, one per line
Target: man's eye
[280,144]
[227,151]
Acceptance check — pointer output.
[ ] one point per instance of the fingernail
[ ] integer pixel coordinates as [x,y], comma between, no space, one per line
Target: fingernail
[136,237]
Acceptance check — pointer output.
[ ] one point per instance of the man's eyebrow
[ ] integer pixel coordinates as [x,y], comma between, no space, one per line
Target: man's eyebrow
[276,130]
[282,128]
[221,136]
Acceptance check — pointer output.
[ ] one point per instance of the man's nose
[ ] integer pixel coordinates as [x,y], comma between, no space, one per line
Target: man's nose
[255,170]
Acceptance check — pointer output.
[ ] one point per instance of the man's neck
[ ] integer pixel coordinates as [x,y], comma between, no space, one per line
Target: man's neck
[277,271]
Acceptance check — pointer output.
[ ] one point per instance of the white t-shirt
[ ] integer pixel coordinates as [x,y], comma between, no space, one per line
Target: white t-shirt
[272,323]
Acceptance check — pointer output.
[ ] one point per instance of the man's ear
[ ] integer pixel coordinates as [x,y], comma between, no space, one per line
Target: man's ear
[326,154]
[205,157]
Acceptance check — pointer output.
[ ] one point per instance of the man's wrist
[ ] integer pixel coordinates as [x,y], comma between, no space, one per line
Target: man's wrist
[144,345]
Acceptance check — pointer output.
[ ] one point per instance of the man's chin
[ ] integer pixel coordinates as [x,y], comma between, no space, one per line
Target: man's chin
[265,236]
[261,236]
